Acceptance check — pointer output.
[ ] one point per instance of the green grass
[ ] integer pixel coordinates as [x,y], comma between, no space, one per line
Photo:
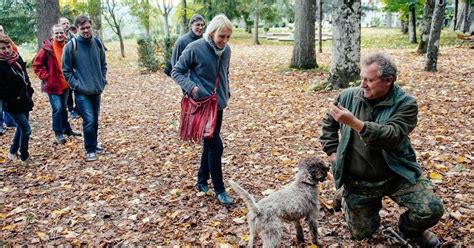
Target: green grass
[390,38]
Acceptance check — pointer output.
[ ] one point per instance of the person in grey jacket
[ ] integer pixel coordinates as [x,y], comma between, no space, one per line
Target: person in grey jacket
[196,26]
[196,71]
[85,69]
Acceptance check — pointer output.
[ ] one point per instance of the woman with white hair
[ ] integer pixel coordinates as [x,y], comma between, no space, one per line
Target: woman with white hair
[202,63]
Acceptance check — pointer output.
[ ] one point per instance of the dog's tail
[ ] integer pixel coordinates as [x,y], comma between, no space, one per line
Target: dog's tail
[248,198]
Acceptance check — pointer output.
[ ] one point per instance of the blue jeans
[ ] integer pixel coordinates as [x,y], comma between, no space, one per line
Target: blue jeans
[59,112]
[89,107]
[22,135]
[211,158]
[5,118]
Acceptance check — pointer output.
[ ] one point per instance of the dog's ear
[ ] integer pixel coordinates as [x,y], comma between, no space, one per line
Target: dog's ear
[321,171]
[315,168]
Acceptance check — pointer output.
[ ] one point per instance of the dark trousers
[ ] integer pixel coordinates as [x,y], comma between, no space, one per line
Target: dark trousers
[211,158]
[89,106]
[59,112]
[70,101]
[22,135]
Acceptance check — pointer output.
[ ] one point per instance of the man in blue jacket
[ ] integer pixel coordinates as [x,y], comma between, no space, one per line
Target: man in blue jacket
[85,69]
[373,156]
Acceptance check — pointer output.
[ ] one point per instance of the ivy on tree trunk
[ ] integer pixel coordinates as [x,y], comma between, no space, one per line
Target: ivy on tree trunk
[426,25]
[435,33]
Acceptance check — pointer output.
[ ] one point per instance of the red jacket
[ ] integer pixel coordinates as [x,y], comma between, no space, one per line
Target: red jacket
[45,66]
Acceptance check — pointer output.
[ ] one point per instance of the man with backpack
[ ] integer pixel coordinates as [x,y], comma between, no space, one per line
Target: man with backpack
[70,34]
[47,66]
[85,69]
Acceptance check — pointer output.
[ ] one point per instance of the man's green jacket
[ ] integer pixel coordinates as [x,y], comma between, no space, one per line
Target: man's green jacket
[392,121]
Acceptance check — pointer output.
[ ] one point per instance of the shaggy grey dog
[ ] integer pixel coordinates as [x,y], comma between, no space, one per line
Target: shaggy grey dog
[296,201]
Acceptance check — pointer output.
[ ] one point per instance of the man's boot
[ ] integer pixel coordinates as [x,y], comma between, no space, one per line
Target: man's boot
[426,239]
[337,199]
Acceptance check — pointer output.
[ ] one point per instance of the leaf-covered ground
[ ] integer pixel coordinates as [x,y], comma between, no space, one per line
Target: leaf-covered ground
[142,190]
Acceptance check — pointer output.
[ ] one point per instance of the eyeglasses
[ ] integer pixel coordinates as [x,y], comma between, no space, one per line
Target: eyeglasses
[59,33]
[199,24]
[5,47]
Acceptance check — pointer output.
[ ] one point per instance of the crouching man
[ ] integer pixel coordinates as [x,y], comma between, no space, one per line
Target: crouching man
[374,158]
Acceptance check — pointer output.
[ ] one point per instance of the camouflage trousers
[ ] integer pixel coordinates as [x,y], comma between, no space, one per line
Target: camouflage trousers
[363,201]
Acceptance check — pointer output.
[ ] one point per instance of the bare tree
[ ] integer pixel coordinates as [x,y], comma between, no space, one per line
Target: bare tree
[47,15]
[345,68]
[425,26]
[256,16]
[304,54]
[321,2]
[435,33]
[412,23]
[184,25]
[165,9]
[115,22]
[95,11]
[463,19]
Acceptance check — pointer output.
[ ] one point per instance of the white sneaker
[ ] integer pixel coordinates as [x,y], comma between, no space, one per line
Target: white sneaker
[12,156]
[91,157]
[26,162]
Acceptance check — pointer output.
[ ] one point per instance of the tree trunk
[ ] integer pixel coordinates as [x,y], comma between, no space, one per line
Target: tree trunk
[346,43]
[433,43]
[167,26]
[122,47]
[321,2]
[425,26]
[455,16]
[95,8]
[255,34]
[404,27]
[47,15]
[304,54]
[463,20]
[412,24]
[147,18]
[184,26]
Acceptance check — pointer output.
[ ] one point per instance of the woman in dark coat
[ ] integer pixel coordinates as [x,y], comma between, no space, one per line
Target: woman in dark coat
[202,62]
[16,95]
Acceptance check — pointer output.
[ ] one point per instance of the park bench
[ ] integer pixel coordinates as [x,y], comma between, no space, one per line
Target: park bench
[469,39]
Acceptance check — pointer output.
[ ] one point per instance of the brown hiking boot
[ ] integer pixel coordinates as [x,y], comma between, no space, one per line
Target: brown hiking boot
[337,199]
[427,239]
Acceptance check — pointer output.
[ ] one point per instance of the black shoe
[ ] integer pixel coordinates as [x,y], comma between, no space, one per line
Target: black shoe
[202,188]
[224,199]
[337,199]
[426,240]
[72,133]
[60,139]
[99,150]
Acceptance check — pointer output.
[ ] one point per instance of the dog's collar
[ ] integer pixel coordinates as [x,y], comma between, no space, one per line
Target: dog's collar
[309,183]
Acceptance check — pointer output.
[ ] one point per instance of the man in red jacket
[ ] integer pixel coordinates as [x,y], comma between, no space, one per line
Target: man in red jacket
[47,66]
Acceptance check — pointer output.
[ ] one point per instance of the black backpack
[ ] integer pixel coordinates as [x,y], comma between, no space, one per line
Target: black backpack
[168,68]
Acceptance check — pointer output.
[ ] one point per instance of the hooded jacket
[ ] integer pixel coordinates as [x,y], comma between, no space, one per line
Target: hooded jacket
[394,119]
[46,67]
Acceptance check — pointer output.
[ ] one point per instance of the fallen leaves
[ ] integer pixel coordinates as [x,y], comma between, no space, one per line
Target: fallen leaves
[141,192]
